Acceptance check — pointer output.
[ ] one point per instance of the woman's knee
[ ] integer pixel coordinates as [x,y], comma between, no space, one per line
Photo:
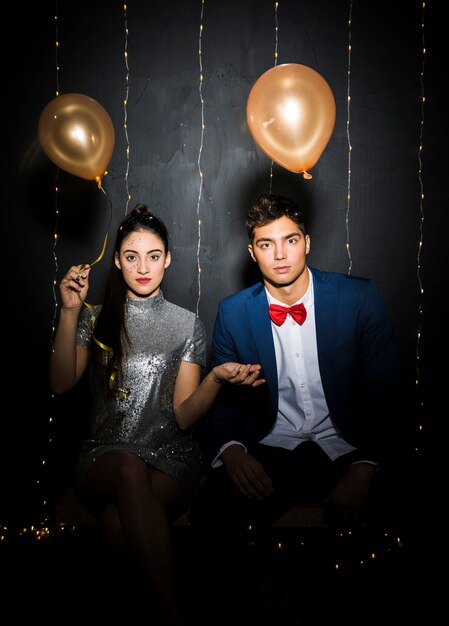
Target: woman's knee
[132,474]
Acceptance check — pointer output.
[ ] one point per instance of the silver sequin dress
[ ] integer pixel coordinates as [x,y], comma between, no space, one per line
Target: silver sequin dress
[162,335]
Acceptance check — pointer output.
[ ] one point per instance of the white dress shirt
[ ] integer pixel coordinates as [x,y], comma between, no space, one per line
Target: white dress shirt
[303,414]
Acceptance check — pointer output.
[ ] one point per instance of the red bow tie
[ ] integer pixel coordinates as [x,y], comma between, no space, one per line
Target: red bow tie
[278,313]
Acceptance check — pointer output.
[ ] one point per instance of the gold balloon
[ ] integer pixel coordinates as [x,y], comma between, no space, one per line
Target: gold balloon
[291,115]
[77,134]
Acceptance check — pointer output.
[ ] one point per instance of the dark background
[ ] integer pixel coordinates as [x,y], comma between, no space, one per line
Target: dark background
[387,218]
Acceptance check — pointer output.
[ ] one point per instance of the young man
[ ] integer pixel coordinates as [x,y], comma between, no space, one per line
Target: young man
[326,423]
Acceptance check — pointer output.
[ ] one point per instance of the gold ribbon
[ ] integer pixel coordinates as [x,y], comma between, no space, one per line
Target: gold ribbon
[124,391]
[105,241]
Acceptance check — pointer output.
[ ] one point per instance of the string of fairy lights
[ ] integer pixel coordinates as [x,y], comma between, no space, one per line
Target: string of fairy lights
[389,540]
[125,109]
[200,152]
[43,527]
[421,216]
[55,231]
[276,44]
[348,136]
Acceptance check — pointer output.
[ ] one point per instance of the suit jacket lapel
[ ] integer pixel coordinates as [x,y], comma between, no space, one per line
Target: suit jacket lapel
[326,314]
[260,323]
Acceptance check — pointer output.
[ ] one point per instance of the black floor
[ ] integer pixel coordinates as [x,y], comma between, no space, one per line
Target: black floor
[285,577]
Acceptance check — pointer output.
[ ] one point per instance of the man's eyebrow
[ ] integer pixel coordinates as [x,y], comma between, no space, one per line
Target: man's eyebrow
[294,234]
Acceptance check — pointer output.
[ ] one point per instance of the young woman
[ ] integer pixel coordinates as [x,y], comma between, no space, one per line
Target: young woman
[140,464]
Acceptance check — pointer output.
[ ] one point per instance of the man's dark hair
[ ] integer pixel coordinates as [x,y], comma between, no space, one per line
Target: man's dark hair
[268,208]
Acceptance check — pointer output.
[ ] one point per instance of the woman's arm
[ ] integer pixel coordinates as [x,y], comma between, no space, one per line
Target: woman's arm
[192,399]
[68,361]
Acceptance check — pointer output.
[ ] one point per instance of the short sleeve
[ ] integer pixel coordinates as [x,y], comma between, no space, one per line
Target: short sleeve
[86,324]
[195,351]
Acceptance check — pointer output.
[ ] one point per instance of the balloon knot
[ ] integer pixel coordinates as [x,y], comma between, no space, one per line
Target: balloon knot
[306,175]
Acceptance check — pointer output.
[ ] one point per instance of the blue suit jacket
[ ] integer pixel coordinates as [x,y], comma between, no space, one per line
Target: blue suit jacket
[359,361]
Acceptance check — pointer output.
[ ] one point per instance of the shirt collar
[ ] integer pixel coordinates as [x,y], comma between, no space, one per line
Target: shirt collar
[307,298]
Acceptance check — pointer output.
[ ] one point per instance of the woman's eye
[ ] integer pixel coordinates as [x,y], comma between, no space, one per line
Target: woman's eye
[155,257]
[130,258]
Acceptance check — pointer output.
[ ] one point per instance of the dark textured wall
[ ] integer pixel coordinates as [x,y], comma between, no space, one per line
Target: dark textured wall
[164,126]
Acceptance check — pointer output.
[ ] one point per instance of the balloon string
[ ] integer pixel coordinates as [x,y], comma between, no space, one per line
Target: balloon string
[109,225]
[105,241]
[124,391]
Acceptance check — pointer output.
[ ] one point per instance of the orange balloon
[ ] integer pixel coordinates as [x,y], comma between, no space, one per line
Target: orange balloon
[291,115]
[77,134]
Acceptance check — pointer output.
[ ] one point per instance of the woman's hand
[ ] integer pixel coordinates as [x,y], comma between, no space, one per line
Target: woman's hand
[238,374]
[74,286]
[192,399]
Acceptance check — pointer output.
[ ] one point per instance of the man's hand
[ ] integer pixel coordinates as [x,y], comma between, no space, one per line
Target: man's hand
[246,473]
[344,504]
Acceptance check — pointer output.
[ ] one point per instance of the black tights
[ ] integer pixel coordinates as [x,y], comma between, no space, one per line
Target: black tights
[137,505]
